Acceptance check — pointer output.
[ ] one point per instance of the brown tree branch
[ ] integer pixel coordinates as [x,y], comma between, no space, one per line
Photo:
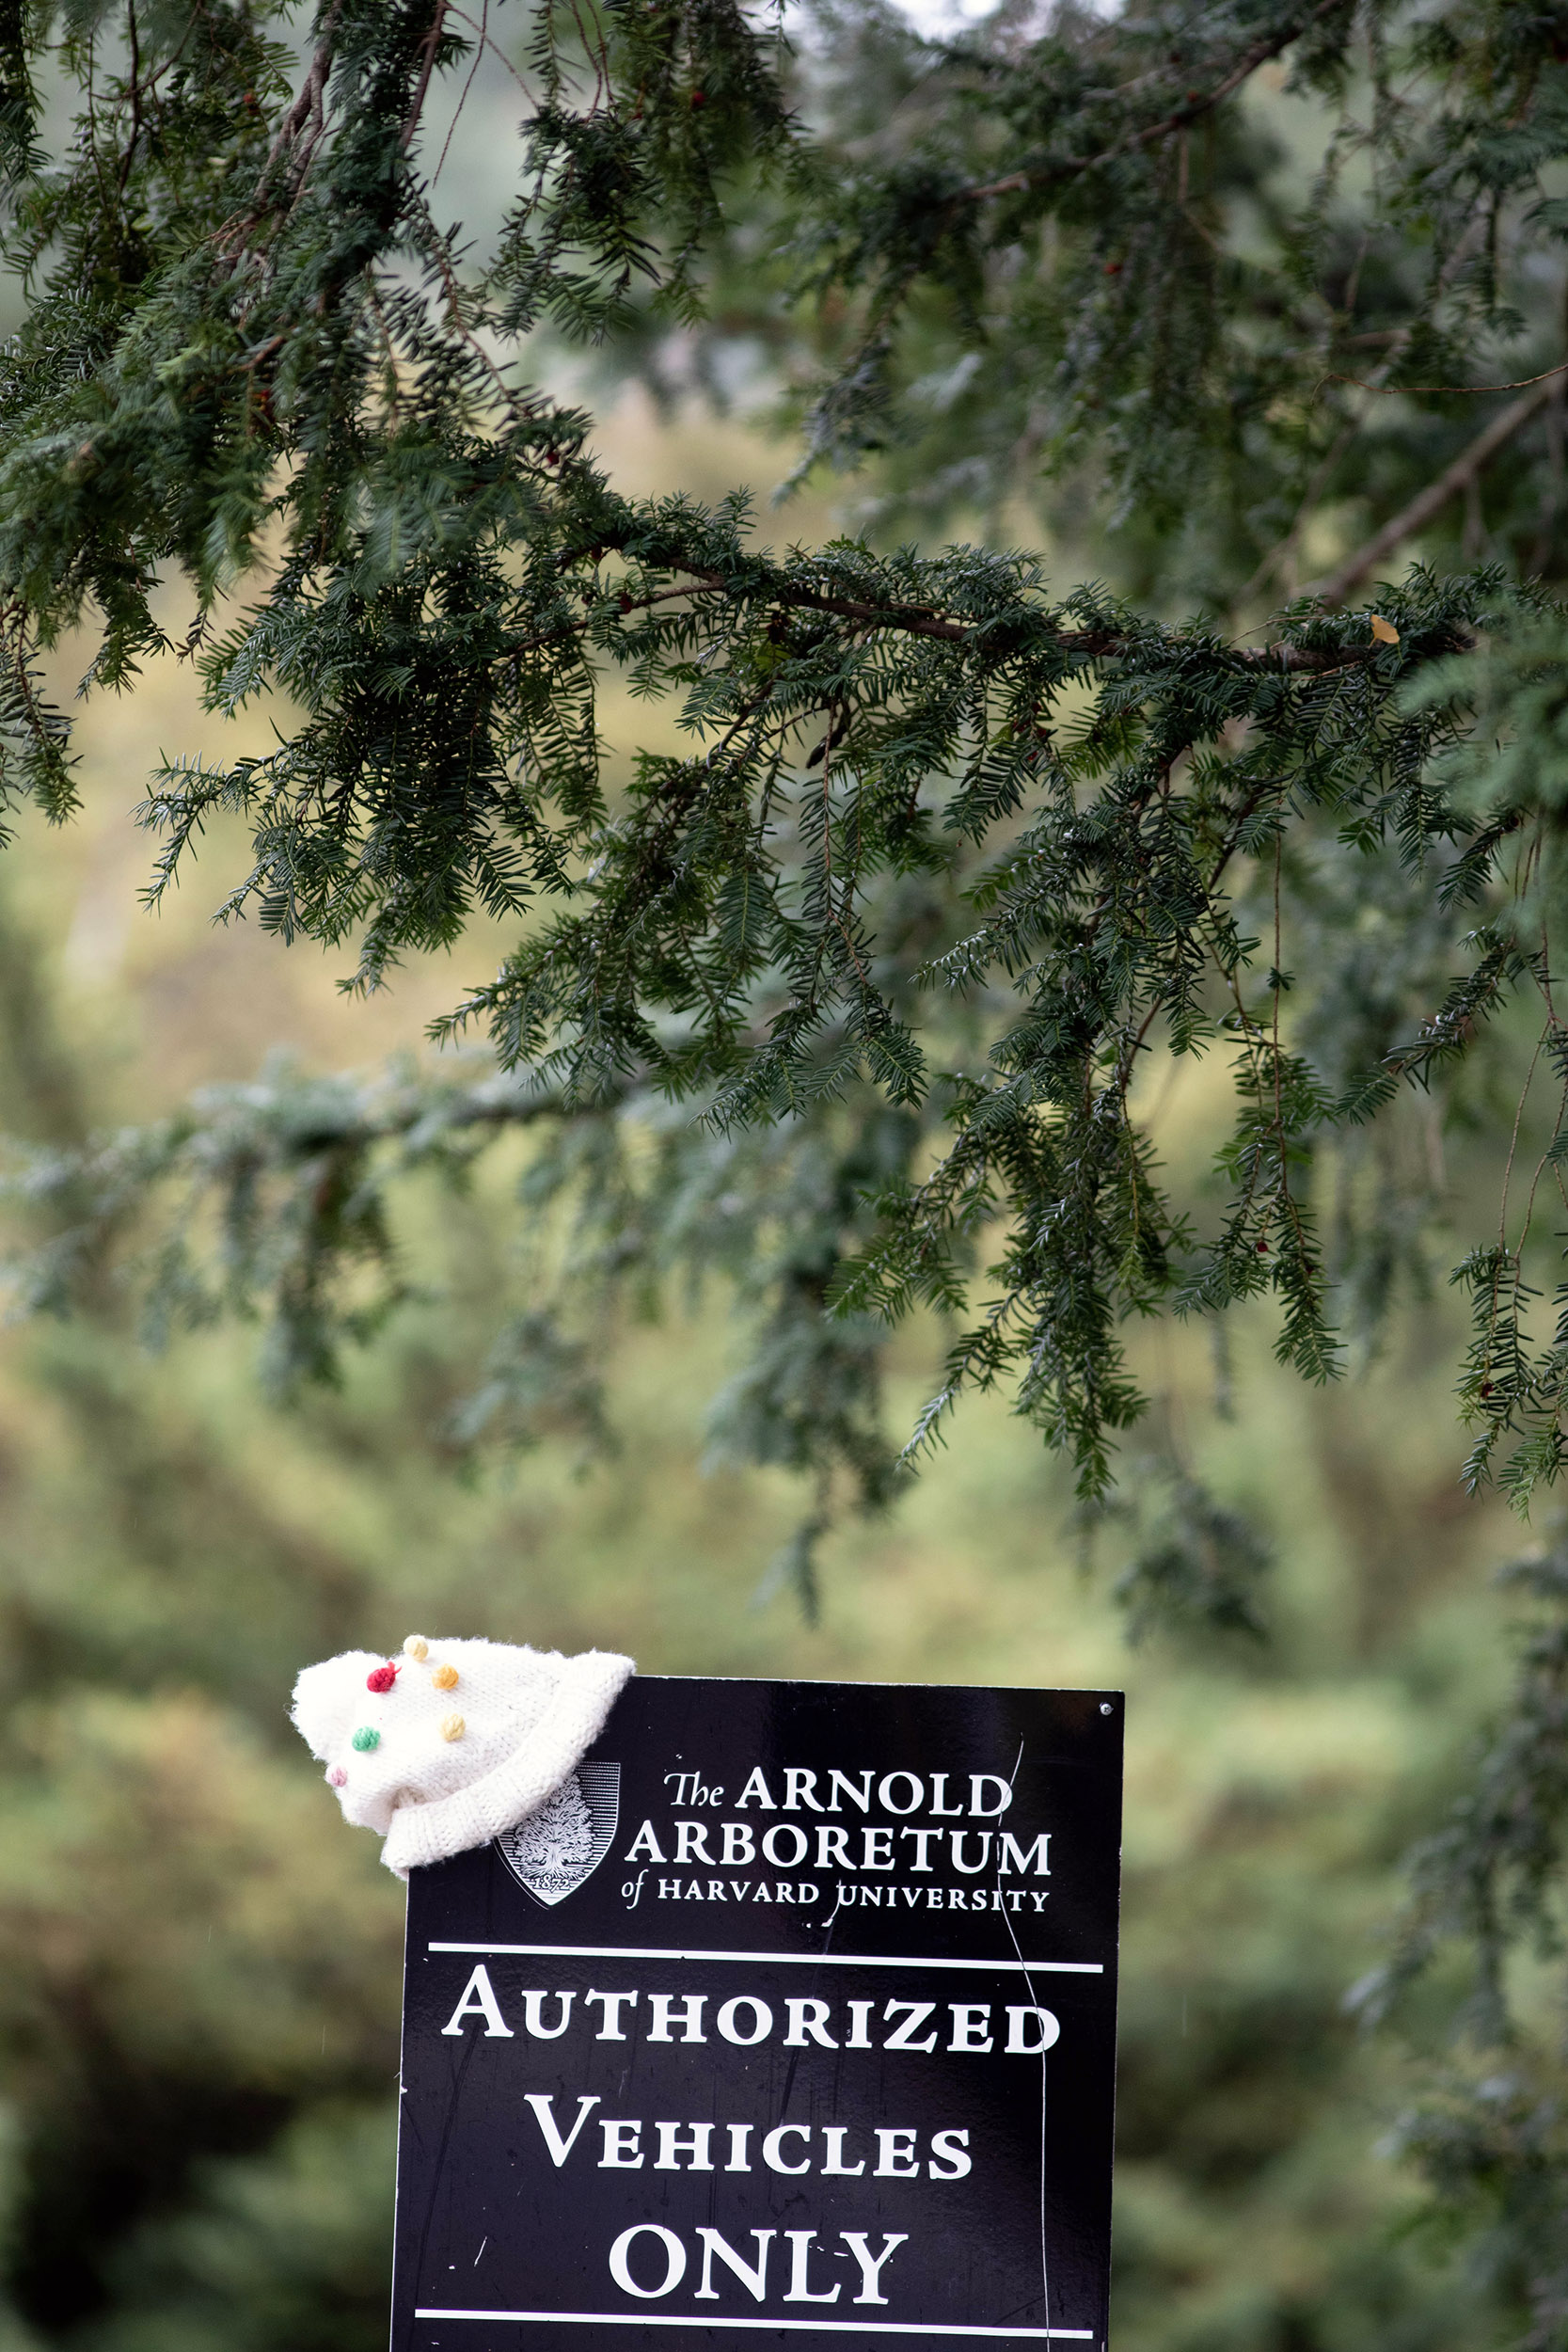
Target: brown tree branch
[1431,501]
[308,109]
[427,63]
[916,620]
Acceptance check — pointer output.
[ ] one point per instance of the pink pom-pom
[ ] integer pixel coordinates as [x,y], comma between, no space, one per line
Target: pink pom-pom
[336,1777]
[381,1679]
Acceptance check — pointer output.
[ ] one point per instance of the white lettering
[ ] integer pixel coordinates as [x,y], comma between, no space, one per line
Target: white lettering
[808,2020]
[754,2280]
[772,2147]
[689,1789]
[916,2013]
[978,1781]
[871,2271]
[917,1793]
[672,2148]
[896,2156]
[1018,2027]
[674,2259]
[971,2025]
[613,2004]
[690,2020]
[761,2021]
[544,2115]
[840,1784]
[534,2015]
[620,2152]
[801,2244]
[896,2159]
[479,2000]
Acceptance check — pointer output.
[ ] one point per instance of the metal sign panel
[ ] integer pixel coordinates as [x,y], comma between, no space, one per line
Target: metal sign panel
[792,2017]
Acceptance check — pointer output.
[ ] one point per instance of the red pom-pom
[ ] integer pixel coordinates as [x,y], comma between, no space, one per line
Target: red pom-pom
[382,1680]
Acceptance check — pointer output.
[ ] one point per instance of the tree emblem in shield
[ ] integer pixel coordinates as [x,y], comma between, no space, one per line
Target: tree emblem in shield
[553,1851]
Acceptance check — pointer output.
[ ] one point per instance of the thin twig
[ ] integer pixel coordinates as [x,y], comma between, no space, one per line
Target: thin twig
[1392,391]
[1514,1139]
[484,43]
[491,43]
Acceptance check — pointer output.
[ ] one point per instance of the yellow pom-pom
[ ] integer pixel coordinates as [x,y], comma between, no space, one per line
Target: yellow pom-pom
[453,1726]
[417,1648]
[445,1677]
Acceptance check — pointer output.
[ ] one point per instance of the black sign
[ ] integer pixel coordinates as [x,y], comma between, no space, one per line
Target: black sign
[792,2014]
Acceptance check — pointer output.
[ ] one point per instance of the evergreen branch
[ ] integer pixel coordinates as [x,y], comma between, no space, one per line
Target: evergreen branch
[1491,1873]
[1284,654]
[1082,791]
[1193,108]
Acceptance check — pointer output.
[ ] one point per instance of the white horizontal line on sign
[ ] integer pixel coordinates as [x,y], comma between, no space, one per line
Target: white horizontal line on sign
[788,1960]
[809,2327]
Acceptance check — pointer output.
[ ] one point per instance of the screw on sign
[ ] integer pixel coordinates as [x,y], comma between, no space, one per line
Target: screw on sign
[791,2011]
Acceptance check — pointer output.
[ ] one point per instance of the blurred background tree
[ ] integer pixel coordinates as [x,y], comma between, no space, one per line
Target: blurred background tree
[555,1336]
[201,1980]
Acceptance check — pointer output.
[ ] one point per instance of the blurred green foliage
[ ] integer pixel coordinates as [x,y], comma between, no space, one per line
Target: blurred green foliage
[198,1964]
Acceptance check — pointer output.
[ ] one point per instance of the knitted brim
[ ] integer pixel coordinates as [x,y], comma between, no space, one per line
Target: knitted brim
[577,1711]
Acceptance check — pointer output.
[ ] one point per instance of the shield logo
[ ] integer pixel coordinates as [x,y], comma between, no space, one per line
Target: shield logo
[564,1842]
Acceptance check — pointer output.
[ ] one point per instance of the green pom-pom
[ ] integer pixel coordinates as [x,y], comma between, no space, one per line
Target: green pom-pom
[365,1739]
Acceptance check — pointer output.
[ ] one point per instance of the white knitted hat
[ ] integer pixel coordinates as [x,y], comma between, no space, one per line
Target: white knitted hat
[455,1741]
